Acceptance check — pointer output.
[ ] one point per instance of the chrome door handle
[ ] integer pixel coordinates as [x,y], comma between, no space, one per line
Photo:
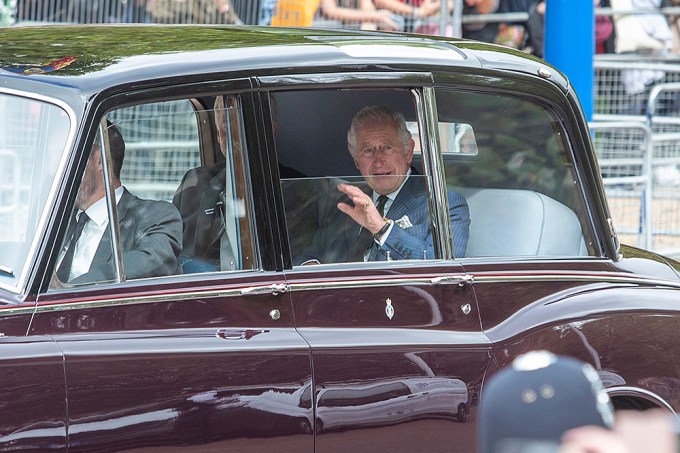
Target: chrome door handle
[460,280]
[273,289]
[235,334]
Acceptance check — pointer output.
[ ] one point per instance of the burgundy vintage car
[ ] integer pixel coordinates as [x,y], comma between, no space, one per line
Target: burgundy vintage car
[148,345]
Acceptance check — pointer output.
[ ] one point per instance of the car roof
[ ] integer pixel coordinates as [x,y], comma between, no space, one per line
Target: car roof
[91,58]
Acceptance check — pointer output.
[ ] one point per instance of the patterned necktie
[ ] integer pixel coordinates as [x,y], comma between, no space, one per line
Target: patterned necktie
[65,266]
[382,199]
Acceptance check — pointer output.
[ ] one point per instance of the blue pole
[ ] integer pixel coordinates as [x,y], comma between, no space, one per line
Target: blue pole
[570,45]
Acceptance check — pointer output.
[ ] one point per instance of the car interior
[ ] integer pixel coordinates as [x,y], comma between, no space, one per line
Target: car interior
[504,154]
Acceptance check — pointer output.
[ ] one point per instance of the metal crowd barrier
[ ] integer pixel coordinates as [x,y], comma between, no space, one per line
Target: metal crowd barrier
[624,152]
[644,90]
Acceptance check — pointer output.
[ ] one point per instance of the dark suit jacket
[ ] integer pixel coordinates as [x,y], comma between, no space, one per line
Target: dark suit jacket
[340,239]
[150,234]
[196,198]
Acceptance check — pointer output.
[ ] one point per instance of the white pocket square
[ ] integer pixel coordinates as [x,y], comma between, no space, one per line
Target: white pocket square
[404,222]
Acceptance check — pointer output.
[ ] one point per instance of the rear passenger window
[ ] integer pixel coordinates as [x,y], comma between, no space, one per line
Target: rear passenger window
[182,198]
[511,164]
[353,184]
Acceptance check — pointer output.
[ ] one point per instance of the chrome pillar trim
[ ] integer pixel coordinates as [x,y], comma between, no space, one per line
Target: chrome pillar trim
[433,163]
[111,204]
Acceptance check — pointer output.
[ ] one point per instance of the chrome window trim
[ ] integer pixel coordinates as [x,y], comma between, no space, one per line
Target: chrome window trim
[625,390]
[433,163]
[312,284]
[19,287]
[355,79]
[375,337]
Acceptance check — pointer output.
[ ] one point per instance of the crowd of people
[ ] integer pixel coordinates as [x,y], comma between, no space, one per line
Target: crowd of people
[643,32]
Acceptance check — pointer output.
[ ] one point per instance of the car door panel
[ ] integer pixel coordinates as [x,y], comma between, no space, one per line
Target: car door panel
[398,361]
[204,370]
[580,309]
[33,415]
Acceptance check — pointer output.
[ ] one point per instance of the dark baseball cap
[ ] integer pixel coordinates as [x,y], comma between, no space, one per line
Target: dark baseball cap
[528,406]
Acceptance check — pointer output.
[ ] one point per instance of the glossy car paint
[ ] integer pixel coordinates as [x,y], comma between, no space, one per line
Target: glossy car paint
[386,326]
[199,363]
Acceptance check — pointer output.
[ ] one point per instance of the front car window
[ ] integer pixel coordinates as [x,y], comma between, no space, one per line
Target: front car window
[178,181]
[33,137]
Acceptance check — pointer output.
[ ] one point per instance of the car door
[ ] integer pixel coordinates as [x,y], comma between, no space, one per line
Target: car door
[204,360]
[399,358]
[34,130]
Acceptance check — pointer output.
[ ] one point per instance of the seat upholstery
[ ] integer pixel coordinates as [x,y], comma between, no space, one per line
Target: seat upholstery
[509,222]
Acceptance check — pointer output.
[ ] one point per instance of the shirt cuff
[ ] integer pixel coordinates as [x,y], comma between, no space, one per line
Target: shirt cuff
[383,239]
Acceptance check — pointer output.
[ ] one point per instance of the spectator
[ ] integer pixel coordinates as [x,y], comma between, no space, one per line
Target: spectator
[604,30]
[288,13]
[529,405]
[195,12]
[266,12]
[647,33]
[7,12]
[361,12]
[675,28]
[527,36]
[411,10]
[480,31]
[634,432]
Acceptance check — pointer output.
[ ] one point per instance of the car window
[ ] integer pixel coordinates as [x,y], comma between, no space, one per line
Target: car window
[515,173]
[334,176]
[182,197]
[33,139]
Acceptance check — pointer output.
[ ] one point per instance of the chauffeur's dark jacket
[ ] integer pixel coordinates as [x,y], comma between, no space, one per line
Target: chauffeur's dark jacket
[150,235]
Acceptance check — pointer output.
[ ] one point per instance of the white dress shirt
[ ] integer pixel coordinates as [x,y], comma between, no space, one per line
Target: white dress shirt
[390,199]
[91,236]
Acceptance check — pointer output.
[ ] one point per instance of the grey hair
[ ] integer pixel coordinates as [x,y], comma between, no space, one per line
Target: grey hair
[376,114]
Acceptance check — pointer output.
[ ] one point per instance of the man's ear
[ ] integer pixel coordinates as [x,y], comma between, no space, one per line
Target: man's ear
[411,147]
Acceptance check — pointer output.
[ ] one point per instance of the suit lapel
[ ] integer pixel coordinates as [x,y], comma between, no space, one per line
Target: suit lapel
[104,251]
[407,196]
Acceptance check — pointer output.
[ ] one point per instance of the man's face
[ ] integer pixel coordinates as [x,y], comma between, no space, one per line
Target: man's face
[92,187]
[381,157]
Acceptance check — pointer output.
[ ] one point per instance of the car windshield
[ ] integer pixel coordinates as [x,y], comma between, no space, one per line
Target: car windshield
[33,135]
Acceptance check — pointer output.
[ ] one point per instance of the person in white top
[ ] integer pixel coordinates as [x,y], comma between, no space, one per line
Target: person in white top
[150,231]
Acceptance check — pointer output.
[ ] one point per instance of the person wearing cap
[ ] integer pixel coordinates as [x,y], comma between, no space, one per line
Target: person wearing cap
[554,404]
[150,230]
[529,405]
